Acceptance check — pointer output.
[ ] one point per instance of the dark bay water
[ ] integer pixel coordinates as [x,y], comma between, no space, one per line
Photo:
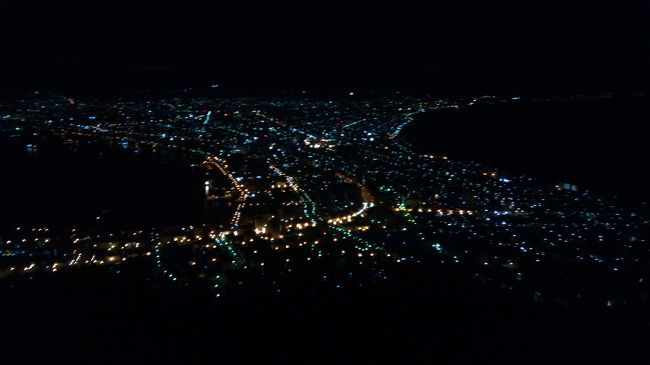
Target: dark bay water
[600,145]
[74,184]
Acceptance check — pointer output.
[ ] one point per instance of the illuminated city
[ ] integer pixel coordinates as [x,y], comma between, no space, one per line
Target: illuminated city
[324,182]
[330,188]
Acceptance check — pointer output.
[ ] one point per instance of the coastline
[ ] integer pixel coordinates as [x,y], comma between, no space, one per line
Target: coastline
[523,139]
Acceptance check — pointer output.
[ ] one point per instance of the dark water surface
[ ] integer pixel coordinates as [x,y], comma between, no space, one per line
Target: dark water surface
[600,145]
[76,184]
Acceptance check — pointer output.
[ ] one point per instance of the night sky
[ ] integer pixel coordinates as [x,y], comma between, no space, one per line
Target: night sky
[446,47]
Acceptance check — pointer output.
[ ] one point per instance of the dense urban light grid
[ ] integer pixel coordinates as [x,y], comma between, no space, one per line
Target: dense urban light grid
[328,191]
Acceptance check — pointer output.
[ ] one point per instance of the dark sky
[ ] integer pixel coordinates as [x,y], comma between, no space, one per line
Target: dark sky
[451,46]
